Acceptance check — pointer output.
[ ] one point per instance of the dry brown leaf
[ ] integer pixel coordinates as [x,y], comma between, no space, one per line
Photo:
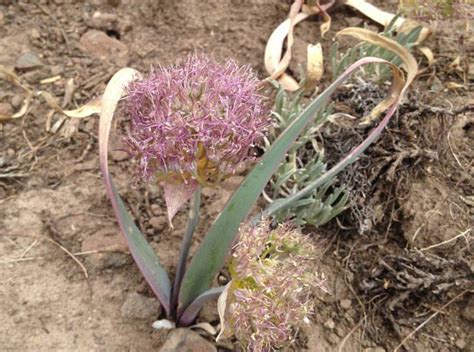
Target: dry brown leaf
[454,85]
[92,107]
[456,62]
[274,63]
[274,49]
[428,54]
[326,25]
[221,309]
[50,79]
[13,78]
[374,13]
[384,18]
[398,84]
[315,66]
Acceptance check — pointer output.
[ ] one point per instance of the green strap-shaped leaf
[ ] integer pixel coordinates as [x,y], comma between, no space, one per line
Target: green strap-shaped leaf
[210,256]
[144,255]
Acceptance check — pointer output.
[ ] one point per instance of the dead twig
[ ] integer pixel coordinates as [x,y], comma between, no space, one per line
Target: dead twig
[57,244]
[463,234]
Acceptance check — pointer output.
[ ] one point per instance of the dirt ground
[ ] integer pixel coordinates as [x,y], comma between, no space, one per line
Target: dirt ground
[398,261]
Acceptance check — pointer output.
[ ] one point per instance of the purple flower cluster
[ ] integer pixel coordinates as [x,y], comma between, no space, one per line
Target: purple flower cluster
[194,121]
[273,279]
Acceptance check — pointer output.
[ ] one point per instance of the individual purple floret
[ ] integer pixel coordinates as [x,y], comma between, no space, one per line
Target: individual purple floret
[194,122]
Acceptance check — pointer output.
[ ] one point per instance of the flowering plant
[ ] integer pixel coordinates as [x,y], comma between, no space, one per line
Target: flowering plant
[191,127]
[271,288]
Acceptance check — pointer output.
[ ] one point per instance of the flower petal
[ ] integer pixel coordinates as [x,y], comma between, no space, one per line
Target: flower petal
[176,194]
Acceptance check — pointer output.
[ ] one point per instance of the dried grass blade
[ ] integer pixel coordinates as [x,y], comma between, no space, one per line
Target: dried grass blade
[397,86]
[13,78]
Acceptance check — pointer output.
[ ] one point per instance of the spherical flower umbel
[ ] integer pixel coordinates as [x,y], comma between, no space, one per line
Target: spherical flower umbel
[273,280]
[194,121]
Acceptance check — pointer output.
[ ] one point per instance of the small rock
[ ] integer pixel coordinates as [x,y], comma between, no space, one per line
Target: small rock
[468,312]
[35,34]
[119,155]
[137,306]
[346,303]
[375,349]
[100,46]
[461,344]
[6,109]
[330,324]
[158,222]
[56,70]
[17,101]
[103,21]
[185,340]
[156,209]
[28,60]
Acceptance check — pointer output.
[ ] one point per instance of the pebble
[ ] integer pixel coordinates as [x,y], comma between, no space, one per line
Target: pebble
[35,34]
[184,340]
[56,70]
[17,101]
[6,109]
[330,324]
[28,60]
[137,306]
[158,222]
[346,303]
[156,209]
[99,45]
[461,344]
[102,21]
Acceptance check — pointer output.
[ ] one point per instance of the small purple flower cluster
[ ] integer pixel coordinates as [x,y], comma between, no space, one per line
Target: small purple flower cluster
[194,121]
[272,286]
